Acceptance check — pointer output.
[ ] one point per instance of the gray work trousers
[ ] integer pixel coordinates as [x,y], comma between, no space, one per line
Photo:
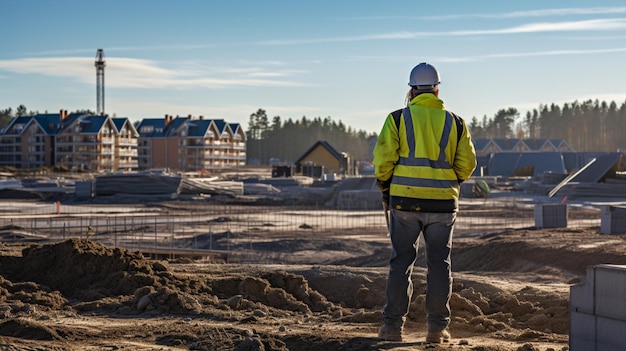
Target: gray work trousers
[405,229]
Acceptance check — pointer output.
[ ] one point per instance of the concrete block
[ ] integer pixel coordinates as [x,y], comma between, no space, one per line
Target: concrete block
[550,215]
[582,331]
[612,220]
[582,297]
[610,292]
[84,189]
[610,334]
[598,310]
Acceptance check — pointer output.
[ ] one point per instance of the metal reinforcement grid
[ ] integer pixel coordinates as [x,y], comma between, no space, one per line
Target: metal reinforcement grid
[199,225]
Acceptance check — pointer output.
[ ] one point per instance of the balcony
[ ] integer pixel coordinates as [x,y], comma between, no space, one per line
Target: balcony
[128,153]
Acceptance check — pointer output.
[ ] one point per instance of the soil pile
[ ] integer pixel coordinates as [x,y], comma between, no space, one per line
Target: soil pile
[510,292]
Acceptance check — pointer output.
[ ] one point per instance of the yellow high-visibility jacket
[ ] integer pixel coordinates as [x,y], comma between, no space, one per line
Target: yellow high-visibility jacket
[422,154]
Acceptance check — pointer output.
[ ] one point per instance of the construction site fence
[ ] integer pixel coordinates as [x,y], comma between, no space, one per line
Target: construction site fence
[172,226]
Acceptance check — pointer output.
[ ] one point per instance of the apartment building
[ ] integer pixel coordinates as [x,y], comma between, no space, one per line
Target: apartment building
[191,144]
[26,142]
[75,141]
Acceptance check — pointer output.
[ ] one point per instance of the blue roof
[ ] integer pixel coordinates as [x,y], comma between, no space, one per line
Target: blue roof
[522,163]
[10,129]
[119,122]
[195,127]
[480,144]
[68,121]
[506,144]
[91,124]
[198,128]
[542,162]
[234,126]
[220,124]
[48,122]
[535,144]
[155,125]
[174,125]
[502,163]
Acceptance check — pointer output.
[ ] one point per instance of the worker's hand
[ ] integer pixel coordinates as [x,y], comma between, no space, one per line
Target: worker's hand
[384,186]
[386,198]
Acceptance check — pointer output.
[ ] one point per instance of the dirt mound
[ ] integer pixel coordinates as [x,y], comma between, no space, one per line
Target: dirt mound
[100,278]
[568,250]
[22,328]
[507,285]
[81,268]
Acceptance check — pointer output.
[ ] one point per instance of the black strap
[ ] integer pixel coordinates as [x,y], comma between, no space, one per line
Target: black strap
[458,120]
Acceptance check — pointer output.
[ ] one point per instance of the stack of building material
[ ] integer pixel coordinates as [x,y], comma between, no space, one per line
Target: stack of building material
[610,189]
[138,183]
[259,189]
[210,186]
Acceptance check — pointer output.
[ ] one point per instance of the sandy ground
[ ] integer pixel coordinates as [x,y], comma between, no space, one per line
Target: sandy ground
[511,292]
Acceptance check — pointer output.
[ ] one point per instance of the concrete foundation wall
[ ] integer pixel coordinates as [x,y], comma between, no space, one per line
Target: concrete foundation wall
[613,220]
[550,215]
[598,310]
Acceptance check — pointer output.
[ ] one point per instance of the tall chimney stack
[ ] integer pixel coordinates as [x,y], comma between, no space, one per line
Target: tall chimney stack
[100,63]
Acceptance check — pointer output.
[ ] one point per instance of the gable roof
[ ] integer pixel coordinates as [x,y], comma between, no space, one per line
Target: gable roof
[49,122]
[156,127]
[198,128]
[221,126]
[506,144]
[120,122]
[174,125]
[515,145]
[16,125]
[89,124]
[480,144]
[323,144]
[536,144]
[237,129]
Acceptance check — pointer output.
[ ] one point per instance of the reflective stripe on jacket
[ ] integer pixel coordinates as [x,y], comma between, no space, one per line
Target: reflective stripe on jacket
[423,156]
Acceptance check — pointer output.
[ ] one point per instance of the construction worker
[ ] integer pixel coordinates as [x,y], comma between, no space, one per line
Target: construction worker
[422,155]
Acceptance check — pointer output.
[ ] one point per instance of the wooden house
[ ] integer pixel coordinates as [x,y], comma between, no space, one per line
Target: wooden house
[321,159]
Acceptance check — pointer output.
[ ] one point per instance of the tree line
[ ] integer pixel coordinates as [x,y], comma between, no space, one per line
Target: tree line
[591,125]
[285,141]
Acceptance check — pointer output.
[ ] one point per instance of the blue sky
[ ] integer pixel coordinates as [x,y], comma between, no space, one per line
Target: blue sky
[349,60]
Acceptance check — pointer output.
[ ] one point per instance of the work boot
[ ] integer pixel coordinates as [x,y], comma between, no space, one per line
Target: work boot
[390,333]
[437,337]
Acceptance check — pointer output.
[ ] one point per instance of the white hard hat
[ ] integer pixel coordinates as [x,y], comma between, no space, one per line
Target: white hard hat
[424,75]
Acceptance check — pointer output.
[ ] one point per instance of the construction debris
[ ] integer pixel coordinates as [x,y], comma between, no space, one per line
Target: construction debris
[138,183]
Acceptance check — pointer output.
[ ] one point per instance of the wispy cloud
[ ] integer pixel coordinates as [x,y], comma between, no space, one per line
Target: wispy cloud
[608,24]
[533,54]
[136,73]
[542,27]
[557,12]
[503,15]
[587,25]
[118,49]
[497,55]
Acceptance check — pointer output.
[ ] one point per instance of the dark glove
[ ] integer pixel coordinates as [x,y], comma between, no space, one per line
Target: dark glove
[384,188]
[383,185]
[386,197]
